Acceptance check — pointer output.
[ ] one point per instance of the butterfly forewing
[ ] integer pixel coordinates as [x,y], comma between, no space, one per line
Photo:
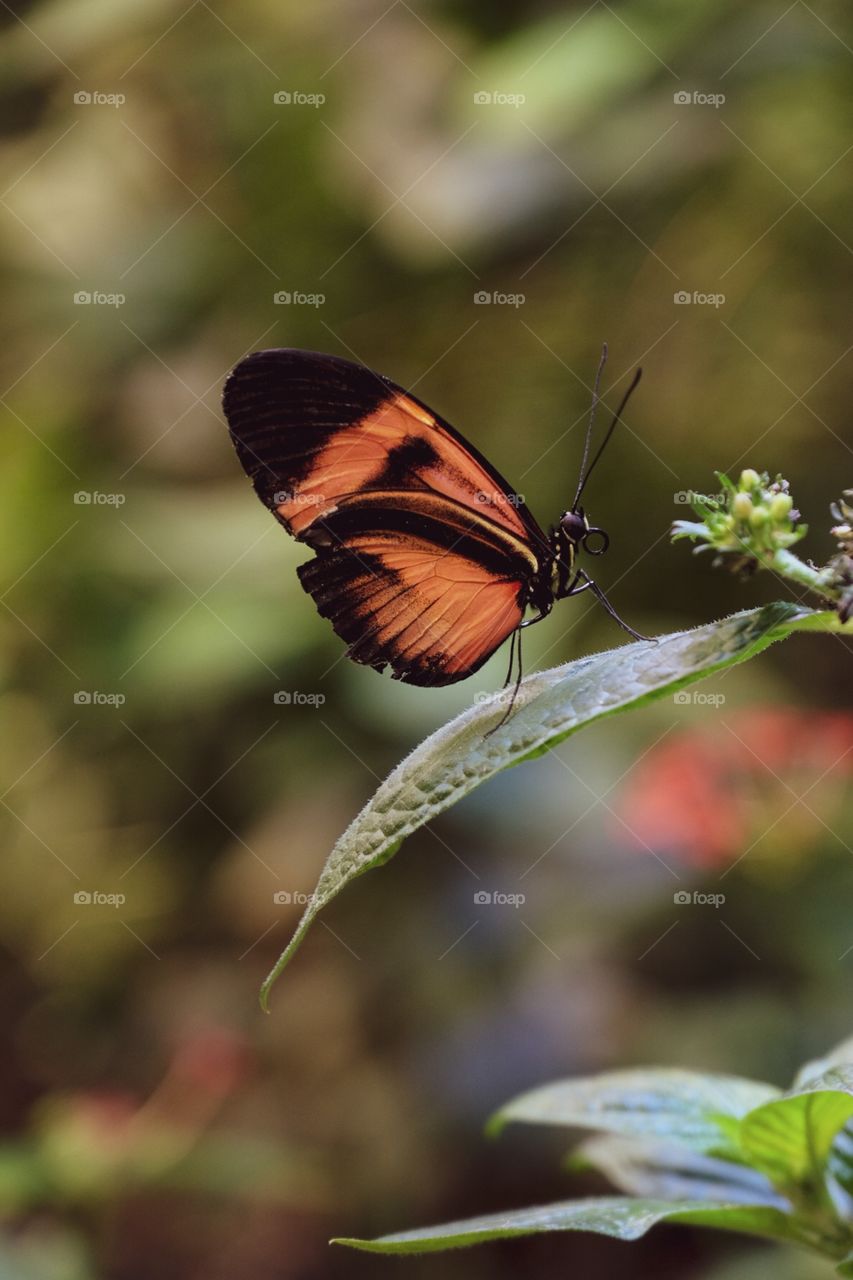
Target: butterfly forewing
[310,428]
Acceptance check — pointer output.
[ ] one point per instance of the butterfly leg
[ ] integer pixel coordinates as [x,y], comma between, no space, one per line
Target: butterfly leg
[590,584]
[513,638]
[543,613]
[573,589]
[516,641]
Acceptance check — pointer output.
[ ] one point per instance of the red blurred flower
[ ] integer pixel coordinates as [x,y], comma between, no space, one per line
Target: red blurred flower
[213,1060]
[94,1140]
[706,795]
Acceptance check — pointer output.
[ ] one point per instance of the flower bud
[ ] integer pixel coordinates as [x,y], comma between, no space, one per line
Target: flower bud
[742,507]
[749,479]
[758,518]
[781,506]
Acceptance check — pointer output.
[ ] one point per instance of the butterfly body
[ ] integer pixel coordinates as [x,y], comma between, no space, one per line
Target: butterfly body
[425,559]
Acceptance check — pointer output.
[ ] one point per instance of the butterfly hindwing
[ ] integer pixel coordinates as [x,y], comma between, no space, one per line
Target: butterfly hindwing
[418,583]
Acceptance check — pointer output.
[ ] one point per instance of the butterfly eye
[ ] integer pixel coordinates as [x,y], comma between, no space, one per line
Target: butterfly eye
[573,525]
[601,542]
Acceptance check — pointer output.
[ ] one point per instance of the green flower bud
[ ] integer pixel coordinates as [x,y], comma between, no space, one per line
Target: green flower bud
[749,479]
[742,507]
[759,517]
[781,506]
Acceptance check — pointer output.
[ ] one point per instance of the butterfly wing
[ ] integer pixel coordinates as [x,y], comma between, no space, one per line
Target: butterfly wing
[311,428]
[418,583]
[425,556]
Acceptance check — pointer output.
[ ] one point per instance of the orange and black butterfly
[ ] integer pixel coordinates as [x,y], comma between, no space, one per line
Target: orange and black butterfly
[425,558]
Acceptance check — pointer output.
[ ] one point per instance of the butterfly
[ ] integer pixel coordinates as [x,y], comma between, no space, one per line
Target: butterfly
[425,559]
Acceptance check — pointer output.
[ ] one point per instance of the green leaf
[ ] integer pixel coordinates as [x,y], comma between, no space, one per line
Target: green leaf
[790,1139]
[669,1171]
[681,1106]
[550,706]
[840,1056]
[839,1172]
[840,1161]
[615,1216]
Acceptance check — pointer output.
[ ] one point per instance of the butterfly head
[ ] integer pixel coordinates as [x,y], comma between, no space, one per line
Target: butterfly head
[576,530]
[572,534]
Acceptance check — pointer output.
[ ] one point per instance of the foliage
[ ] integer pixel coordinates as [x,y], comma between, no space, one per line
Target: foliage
[711,1150]
[550,706]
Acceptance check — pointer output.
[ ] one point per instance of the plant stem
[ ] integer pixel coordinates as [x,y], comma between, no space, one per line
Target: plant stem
[790,566]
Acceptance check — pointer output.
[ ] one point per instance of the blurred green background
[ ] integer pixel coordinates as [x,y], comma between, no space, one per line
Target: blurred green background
[581,165]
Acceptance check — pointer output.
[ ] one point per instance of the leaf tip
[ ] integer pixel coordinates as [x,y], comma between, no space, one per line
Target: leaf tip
[283,961]
[352,1242]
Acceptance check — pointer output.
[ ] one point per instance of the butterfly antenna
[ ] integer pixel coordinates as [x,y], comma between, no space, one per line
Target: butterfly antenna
[595,398]
[608,433]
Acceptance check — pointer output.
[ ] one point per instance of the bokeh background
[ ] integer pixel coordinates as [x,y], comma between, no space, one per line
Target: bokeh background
[164,212]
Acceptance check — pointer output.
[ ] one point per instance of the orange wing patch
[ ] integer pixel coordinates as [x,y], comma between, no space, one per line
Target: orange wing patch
[433,616]
[398,445]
